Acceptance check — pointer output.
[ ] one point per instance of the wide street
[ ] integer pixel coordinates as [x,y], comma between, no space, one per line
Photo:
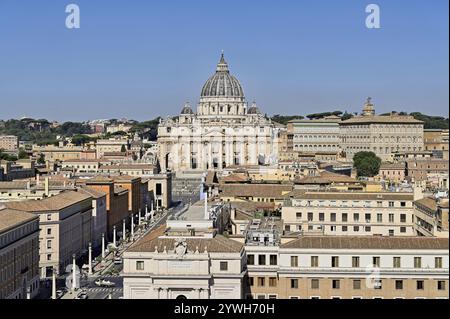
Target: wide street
[108,269]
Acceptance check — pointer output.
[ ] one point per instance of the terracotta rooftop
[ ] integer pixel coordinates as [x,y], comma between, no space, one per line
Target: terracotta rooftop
[367,242]
[427,202]
[94,193]
[392,119]
[53,203]
[254,190]
[218,244]
[10,218]
[349,195]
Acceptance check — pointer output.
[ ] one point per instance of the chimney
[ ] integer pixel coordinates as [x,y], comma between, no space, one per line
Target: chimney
[46,190]
[418,194]
[206,207]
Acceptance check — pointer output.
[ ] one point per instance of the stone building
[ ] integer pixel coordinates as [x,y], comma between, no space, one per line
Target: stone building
[65,228]
[19,254]
[224,131]
[9,143]
[383,135]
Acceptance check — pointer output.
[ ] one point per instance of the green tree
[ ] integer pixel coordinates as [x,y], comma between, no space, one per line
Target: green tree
[366,164]
[41,159]
[23,154]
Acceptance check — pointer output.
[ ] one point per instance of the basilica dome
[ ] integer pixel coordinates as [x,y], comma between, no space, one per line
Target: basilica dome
[222,83]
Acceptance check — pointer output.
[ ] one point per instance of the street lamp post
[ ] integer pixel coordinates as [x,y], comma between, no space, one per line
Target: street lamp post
[139,217]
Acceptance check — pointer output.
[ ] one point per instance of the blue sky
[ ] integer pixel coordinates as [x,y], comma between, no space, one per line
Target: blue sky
[141,59]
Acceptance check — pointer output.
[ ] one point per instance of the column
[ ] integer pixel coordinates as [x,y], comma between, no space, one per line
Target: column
[139,217]
[90,258]
[132,226]
[74,277]
[114,235]
[124,230]
[54,284]
[103,246]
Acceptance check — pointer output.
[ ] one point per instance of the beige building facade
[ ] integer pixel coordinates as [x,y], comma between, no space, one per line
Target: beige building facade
[383,135]
[19,254]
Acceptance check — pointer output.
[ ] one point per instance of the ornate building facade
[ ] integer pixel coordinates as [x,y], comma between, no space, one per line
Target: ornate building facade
[223,132]
[383,135]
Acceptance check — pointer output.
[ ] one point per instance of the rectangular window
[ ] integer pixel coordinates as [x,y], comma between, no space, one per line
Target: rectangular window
[49,216]
[294,283]
[321,217]
[139,265]
[333,217]
[251,281]
[356,283]
[438,262]
[356,228]
[158,189]
[273,260]
[391,204]
[399,284]
[403,218]
[441,285]
[344,217]
[355,262]
[391,218]
[294,261]
[310,217]
[403,229]
[49,231]
[336,284]
[272,281]
[314,283]
[356,217]
[49,256]
[344,228]
[379,218]
[314,261]
[250,259]
[223,265]
[261,281]
[49,244]
[397,263]
[261,260]
[367,217]
[298,215]
[417,262]
[367,228]
[376,261]
[334,261]
[420,284]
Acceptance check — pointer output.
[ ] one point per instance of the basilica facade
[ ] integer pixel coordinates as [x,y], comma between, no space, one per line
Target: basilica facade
[223,132]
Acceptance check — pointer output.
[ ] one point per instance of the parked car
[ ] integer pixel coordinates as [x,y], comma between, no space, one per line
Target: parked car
[104,283]
[82,295]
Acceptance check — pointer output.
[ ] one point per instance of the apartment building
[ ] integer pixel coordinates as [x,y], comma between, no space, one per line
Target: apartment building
[117,201]
[312,136]
[349,213]
[61,153]
[110,146]
[437,142]
[9,143]
[392,172]
[65,224]
[99,220]
[349,267]
[383,135]
[431,217]
[270,193]
[422,170]
[19,254]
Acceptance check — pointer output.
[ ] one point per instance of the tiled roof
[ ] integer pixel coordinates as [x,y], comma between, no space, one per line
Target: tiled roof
[219,244]
[367,242]
[428,202]
[53,203]
[349,195]
[94,193]
[9,218]
[254,190]
[376,119]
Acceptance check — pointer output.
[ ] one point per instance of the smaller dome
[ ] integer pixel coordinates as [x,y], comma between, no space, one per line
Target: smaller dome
[187,109]
[253,109]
